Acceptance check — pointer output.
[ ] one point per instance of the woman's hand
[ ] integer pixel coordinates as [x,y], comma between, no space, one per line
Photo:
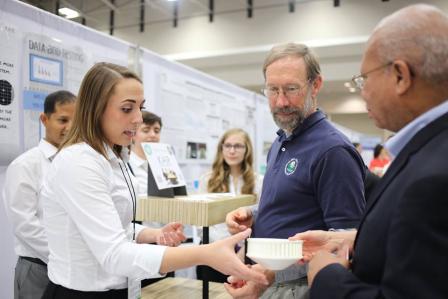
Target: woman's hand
[171,234]
[221,256]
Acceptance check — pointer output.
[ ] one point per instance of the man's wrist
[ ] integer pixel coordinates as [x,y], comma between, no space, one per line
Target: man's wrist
[270,275]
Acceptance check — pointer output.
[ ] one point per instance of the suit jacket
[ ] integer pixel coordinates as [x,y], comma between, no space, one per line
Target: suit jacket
[370,182]
[401,249]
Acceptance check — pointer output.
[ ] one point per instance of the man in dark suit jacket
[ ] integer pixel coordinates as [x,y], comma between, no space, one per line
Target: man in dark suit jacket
[401,247]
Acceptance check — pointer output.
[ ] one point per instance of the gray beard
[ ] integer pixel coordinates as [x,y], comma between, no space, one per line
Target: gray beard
[299,115]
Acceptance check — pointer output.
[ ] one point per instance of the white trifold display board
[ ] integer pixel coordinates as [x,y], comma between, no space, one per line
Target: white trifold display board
[196,109]
[40,53]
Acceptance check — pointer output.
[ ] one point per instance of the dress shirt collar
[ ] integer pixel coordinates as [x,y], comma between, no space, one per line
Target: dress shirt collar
[48,149]
[397,143]
[124,155]
[136,160]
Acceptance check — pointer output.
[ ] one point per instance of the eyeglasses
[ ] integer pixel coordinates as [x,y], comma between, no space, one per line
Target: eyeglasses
[289,91]
[360,79]
[238,147]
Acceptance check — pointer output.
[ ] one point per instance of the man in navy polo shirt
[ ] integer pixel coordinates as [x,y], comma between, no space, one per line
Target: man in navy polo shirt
[314,177]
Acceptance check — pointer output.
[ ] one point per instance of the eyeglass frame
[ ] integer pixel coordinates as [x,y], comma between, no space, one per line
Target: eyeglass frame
[299,89]
[359,80]
[237,147]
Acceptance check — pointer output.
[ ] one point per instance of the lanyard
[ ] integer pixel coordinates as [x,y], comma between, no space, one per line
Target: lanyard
[132,193]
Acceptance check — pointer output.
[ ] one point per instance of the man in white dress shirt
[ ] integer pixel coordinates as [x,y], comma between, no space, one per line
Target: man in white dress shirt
[21,195]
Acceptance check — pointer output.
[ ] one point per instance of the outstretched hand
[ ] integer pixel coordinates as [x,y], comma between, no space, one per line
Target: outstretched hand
[228,262]
[239,220]
[171,234]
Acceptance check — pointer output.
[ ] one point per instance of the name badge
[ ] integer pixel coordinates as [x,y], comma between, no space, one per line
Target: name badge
[134,288]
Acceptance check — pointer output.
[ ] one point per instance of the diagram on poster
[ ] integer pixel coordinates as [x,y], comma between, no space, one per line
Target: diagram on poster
[163,165]
[9,103]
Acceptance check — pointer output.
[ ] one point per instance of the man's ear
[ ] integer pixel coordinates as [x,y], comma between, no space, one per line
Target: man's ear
[43,118]
[316,86]
[403,75]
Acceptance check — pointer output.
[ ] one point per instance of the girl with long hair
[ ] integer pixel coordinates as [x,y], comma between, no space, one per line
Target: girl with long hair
[232,170]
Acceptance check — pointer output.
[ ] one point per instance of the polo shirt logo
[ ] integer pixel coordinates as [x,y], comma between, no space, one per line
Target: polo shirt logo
[291,166]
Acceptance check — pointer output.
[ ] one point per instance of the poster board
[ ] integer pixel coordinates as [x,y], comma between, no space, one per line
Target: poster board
[266,132]
[196,109]
[42,53]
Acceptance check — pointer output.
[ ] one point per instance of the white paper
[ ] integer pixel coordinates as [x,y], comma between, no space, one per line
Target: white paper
[164,167]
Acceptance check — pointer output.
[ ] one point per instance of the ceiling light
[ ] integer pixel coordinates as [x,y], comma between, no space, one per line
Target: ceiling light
[68,13]
[347,84]
[352,89]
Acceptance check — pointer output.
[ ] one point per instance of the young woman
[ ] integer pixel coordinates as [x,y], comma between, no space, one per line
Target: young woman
[89,202]
[232,172]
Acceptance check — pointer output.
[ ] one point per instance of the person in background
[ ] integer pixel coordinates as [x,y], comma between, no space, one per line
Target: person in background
[22,201]
[89,202]
[148,131]
[386,167]
[371,179]
[380,159]
[401,245]
[314,176]
[232,172]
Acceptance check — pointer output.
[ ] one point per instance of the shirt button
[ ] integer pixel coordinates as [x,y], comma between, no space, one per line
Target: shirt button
[283,149]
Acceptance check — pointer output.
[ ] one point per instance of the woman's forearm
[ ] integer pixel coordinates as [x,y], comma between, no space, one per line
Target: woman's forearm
[148,235]
[183,257]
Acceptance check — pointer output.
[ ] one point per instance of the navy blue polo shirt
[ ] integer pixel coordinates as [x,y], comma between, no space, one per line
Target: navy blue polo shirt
[314,180]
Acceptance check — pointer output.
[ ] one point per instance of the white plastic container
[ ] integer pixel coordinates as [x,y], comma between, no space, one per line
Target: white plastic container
[274,254]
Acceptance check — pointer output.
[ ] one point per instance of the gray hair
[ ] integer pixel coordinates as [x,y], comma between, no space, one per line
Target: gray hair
[417,34]
[298,50]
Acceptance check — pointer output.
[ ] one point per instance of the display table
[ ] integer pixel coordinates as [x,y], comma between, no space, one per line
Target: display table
[199,209]
[173,287]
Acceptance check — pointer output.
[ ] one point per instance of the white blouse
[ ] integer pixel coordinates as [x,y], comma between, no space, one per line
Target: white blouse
[140,170]
[87,215]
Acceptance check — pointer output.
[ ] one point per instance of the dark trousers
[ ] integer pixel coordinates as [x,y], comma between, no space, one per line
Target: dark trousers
[54,291]
[211,274]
